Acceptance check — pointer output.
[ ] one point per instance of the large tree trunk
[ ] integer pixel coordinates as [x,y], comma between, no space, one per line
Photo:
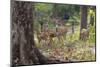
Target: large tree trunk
[83,19]
[24,51]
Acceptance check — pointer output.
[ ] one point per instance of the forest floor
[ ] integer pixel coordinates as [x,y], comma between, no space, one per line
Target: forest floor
[70,52]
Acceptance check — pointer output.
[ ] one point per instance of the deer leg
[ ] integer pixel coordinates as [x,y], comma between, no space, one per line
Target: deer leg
[61,40]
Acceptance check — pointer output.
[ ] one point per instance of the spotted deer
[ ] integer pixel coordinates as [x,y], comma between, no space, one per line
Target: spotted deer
[49,34]
[59,32]
[84,34]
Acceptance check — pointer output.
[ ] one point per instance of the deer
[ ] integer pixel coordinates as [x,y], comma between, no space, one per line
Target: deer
[84,34]
[61,33]
[48,35]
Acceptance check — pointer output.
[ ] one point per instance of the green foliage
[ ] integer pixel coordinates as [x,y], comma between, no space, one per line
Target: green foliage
[43,7]
[91,15]
[74,19]
[92,34]
[74,36]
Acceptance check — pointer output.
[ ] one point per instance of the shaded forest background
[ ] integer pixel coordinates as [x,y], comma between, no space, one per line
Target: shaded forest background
[44,33]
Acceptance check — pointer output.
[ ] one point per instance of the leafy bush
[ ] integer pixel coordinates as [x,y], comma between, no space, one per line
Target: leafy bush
[92,34]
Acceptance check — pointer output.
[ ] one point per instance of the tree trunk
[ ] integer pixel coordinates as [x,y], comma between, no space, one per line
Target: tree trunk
[24,51]
[83,19]
[92,20]
[73,24]
[55,14]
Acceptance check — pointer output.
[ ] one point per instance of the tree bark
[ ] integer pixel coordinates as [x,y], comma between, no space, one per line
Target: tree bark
[24,51]
[83,19]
